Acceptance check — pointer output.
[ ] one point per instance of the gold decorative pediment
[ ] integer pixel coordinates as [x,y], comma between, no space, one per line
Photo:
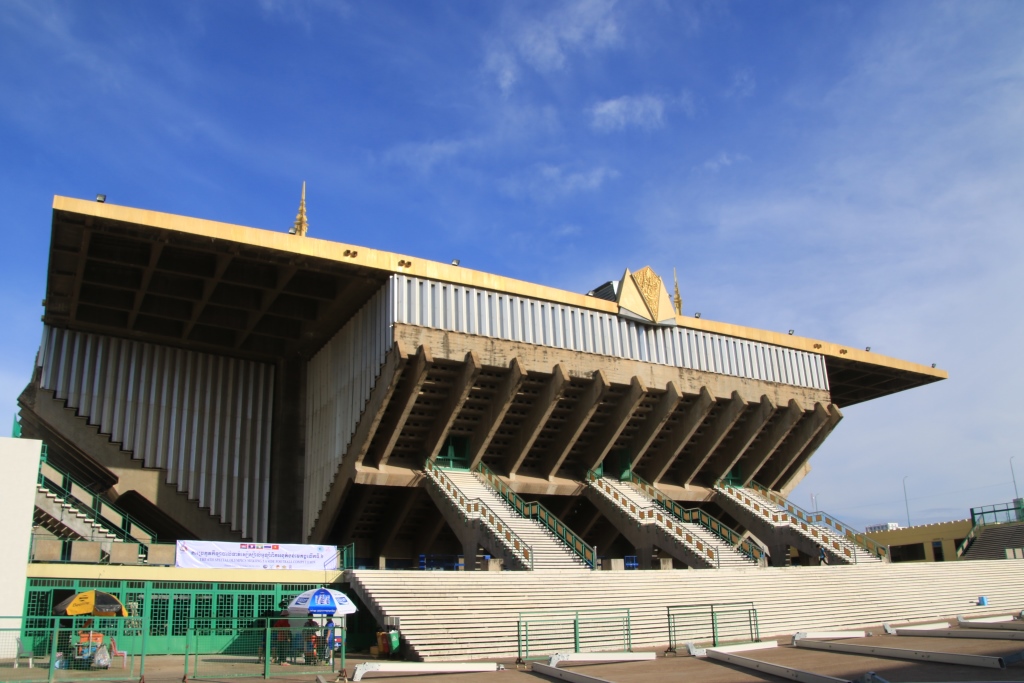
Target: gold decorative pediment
[642,296]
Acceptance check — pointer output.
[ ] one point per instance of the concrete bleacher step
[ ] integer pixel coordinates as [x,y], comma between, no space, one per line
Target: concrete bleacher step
[462,615]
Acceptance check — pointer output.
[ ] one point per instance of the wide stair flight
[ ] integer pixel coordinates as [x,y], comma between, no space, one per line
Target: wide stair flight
[479,515]
[778,522]
[678,532]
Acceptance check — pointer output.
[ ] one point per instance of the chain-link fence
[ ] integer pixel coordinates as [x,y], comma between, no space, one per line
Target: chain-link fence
[304,646]
[72,648]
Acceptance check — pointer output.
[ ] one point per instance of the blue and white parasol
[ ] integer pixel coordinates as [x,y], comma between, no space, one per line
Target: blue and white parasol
[321,602]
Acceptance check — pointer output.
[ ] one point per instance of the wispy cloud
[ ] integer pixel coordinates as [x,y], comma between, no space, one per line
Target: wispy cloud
[305,12]
[546,43]
[424,157]
[548,182]
[642,111]
[743,84]
[723,160]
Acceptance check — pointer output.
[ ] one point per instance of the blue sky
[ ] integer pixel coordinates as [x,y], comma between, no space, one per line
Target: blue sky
[850,170]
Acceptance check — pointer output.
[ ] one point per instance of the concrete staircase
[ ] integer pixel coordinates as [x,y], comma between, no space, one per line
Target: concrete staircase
[994,541]
[780,525]
[473,615]
[548,551]
[641,520]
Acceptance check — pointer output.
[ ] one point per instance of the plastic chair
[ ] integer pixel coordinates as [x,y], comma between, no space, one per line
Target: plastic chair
[114,652]
[24,651]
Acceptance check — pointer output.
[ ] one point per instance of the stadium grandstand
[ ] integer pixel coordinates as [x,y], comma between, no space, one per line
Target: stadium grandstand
[204,381]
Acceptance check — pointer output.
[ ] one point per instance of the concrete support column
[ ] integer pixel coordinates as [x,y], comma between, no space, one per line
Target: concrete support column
[644,555]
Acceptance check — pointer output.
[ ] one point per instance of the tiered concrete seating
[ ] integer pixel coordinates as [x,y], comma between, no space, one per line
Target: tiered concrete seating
[463,615]
[643,522]
[779,526]
[994,541]
[548,551]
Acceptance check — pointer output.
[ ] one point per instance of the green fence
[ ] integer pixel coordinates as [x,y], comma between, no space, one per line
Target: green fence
[718,622]
[171,608]
[543,632]
[72,648]
[298,649]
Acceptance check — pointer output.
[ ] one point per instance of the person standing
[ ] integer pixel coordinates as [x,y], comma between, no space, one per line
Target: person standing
[329,642]
[822,557]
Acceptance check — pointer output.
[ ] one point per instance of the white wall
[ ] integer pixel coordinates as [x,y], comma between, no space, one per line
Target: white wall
[19,462]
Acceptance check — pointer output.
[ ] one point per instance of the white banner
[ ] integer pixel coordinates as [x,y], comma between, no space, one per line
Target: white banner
[227,555]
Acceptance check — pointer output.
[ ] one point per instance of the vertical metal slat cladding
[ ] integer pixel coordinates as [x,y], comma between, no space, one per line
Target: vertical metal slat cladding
[167,407]
[341,376]
[440,305]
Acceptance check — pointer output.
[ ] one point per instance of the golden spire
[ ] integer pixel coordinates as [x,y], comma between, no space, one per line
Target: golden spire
[301,224]
[677,301]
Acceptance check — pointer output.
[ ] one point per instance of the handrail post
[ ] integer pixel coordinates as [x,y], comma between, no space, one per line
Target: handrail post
[576,632]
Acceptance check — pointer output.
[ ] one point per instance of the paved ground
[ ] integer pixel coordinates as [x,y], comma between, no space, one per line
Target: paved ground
[669,669]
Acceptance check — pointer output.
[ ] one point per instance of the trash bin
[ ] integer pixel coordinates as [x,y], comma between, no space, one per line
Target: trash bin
[983,601]
[394,641]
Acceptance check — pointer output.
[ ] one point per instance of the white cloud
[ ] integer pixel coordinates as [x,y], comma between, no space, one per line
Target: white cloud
[642,111]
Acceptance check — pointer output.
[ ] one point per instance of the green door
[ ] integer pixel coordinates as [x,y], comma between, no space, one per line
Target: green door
[454,453]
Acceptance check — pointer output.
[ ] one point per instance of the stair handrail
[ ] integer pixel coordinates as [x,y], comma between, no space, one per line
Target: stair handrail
[476,508]
[823,519]
[674,524]
[537,511]
[969,539]
[697,516]
[93,507]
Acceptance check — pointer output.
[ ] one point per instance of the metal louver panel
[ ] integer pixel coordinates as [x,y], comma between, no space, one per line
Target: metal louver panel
[442,305]
[203,419]
[339,379]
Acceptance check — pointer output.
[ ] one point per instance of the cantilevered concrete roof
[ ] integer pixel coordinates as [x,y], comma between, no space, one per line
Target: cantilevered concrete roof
[268,295]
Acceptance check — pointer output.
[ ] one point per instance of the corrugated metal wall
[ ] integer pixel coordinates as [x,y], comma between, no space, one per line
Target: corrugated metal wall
[445,306]
[204,419]
[339,379]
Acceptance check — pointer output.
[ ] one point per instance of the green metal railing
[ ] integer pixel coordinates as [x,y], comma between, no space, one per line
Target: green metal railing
[16,428]
[858,539]
[347,556]
[718,622]
[73,648]
[592,630]
[537,511]
[241,650]
[112,519]
[697,516]
[985,515]
[476,508]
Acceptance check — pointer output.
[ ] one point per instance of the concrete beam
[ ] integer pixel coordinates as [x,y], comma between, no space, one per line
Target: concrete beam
[758,454]
[535,420]
[679,436]
[723,423]
[726,457]
[614,424]
[654,422]
[577,421]
[789,451]
[404,400]
[495,413]
[452,405]
[786,480]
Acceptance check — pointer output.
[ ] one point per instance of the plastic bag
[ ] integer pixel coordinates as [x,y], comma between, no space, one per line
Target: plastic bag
[101,659]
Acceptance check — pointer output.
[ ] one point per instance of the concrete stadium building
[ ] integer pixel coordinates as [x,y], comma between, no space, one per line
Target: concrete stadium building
[222,382]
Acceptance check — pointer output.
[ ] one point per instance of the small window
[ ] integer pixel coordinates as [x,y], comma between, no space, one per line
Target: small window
[913,552]
[937,551]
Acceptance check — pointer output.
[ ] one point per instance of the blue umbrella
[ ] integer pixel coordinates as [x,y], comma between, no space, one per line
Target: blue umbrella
[321,602]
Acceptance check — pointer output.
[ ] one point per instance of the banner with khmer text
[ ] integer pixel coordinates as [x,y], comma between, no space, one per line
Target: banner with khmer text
[227,555]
